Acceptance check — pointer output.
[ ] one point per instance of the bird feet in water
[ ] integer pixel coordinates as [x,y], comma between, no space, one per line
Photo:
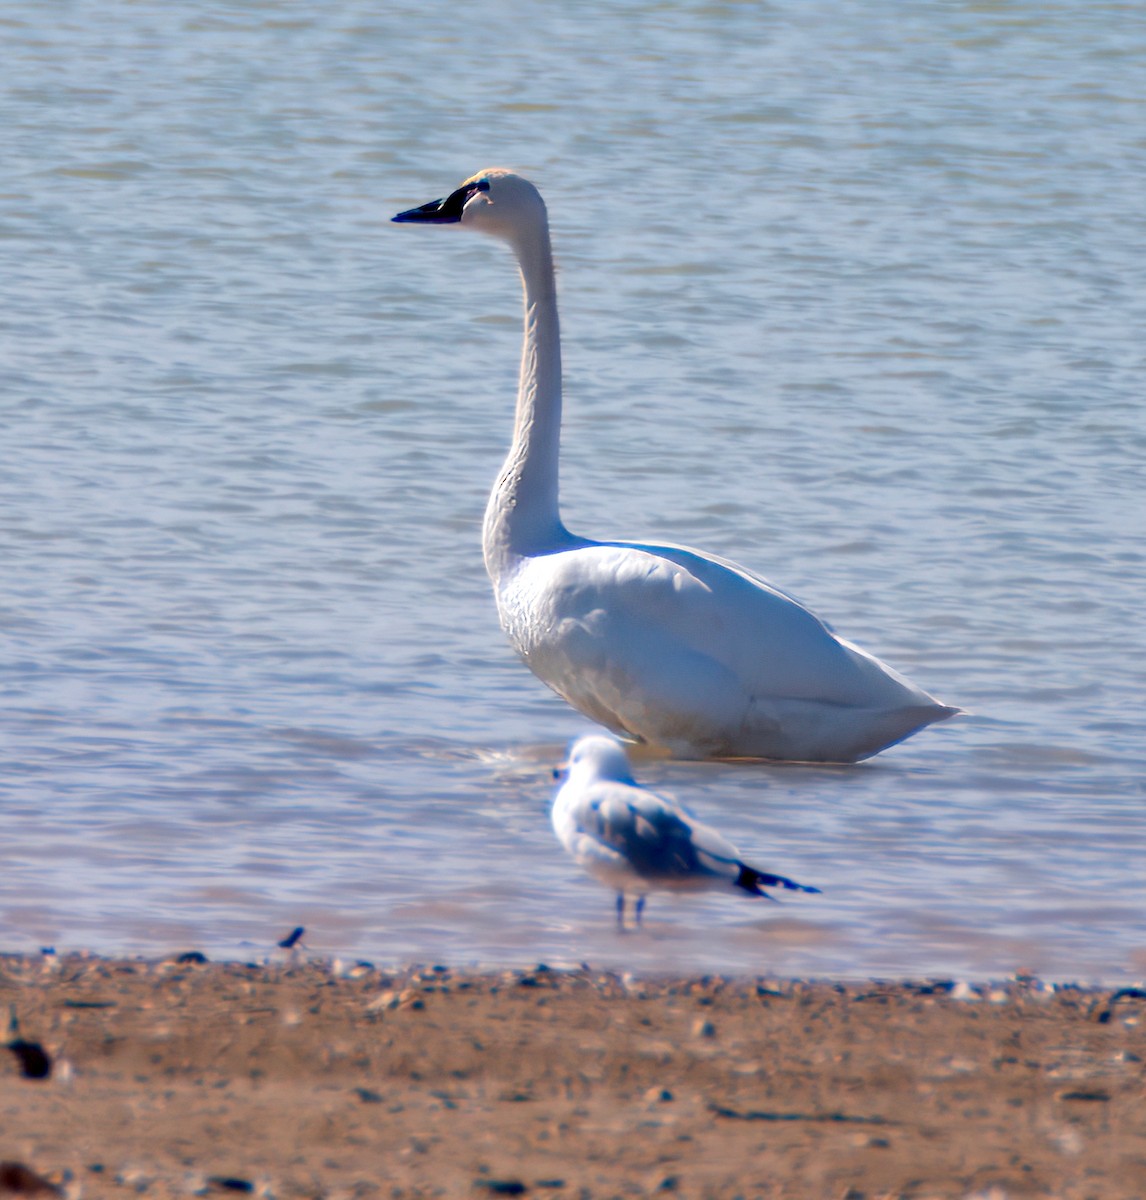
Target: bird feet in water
[638,912]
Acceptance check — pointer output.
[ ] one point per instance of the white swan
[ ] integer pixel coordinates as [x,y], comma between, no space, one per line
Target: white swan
[665,645]
[635,841]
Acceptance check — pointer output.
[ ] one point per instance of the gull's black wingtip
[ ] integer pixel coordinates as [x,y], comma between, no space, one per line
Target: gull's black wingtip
[792,886]
[755,881]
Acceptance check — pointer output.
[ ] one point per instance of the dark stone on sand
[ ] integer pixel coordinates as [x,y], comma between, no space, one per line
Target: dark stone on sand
[16,1179]
[35,1061]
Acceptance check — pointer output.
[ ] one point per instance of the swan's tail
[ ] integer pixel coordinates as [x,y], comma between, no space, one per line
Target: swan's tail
[888,728]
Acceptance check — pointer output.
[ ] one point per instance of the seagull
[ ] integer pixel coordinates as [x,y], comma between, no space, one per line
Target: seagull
[635,841]
[684,651]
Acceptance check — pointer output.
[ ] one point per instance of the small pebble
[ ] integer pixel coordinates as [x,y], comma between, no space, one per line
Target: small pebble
[35,1062]
[230,1183]
[292,938]
[16,1179]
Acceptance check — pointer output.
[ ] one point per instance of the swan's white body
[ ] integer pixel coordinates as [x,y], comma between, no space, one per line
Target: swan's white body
[661,644]
[635,841]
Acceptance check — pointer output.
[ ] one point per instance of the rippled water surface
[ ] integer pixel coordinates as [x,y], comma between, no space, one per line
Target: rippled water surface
[852,293]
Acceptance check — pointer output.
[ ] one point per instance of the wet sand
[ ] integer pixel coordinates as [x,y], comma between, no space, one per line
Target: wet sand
[307,1079]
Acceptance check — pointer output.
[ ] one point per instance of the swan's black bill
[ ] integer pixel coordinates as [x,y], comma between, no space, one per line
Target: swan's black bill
[442,212]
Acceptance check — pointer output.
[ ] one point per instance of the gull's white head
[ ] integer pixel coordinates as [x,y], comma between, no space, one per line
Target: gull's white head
[495,201]
[599,757]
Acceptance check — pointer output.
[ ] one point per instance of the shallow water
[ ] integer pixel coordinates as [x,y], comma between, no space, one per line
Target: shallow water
[851,295]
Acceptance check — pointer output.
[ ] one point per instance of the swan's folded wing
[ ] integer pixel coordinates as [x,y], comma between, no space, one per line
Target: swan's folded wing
[642,609]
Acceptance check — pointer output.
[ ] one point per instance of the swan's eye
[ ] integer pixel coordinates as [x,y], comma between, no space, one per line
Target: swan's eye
[451,207]
[456,201]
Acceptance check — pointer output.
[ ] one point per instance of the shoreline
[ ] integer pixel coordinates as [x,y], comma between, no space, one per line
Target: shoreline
[176,1077]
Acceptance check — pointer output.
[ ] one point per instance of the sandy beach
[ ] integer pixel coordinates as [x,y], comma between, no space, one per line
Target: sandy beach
[317,1079]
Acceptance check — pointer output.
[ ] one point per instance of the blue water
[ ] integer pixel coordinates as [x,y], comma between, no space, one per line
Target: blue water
[852,294]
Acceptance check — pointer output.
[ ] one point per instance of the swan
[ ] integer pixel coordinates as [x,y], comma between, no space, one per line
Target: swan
[684,651]
[634,840]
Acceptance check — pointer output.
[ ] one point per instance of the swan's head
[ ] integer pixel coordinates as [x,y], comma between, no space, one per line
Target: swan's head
[495,201]
[599,757]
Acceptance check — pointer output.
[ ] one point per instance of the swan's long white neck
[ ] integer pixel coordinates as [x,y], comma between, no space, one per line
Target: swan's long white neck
[522,517]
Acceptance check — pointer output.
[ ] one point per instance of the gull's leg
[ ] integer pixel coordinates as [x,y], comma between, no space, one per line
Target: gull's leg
[640,909]
[620,912]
